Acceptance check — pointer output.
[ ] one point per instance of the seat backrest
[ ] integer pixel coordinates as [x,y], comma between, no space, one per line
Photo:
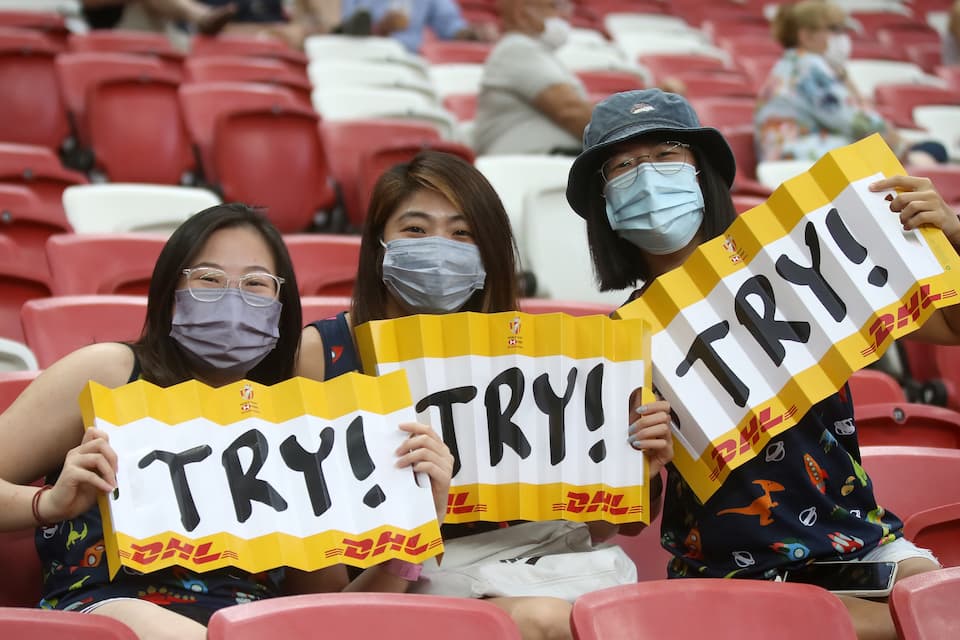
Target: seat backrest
[453,51]
[947,359]
[54,327]
[246,69]
[701,607]
[21,582]
[123,41]
[725,111]
[601,82]
[90,264]
[28,221]
[336,72]
[924,606]
[11,384]
[32,110]
[903,423]
[712,83]
[78,72]
[46,624]
[352,103]
[364,616]
[321,307]
[927,469]
[202,103]
[39,169]
[137,131]
[456,78]
[111,208]
[937,529]
[870,386]
[19,281]
[325,264]
[15,356]
[274,158]
[900,99]
[256,46]
[867,74]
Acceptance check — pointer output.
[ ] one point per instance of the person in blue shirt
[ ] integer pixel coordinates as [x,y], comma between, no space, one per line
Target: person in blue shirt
[405,20]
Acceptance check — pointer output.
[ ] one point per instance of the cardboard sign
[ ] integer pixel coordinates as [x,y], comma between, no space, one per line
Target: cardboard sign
[534,408]
[300,474]
[763,322]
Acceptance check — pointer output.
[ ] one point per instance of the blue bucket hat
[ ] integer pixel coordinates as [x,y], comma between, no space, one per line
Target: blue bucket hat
[630,115]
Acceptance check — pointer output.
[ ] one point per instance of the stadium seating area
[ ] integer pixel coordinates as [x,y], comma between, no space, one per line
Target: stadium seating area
[109,139]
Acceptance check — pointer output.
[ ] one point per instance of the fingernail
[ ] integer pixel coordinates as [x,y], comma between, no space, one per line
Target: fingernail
[635,443]
[642,409]
[888,197]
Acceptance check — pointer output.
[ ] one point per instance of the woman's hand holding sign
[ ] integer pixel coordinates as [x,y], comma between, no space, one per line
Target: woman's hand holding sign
[88,469]
[918,203]
[426,452]
[650,433]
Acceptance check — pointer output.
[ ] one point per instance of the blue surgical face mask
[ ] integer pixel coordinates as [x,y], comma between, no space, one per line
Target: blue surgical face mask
[659,210]
[432,274]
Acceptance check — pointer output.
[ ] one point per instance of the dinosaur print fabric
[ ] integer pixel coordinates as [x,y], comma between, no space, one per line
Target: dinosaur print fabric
[804,497]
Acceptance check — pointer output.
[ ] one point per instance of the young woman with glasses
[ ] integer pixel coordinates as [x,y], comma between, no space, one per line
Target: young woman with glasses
[222,306]
[653,184]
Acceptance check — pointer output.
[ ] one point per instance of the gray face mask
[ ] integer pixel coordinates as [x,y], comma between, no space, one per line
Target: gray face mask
[432,274]
[228,334]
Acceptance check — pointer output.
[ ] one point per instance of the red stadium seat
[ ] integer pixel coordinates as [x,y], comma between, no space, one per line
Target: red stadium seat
[347,141]
[28,221]
[19,282]
[463,106]
[757,66]
[54,327]
[378,160]
[872,387]
[743,202]
[951,74]
[725,111]
[926,55]
[325,264]
[607,82]
[874,50]
[898,100]
[937,529]
[203,103]
[948,369]
[90,264]
[871,21]
[321,307]
[45,624]
[663,65]
[945,177]
[910,479]
[127,112]
[709,84]
[145,43]
[549,305]
[246,69]
[11,384]
[904,423]
[247,45]
[924,606]
[31,107]
[51,24]
[901,35]
[364,616]
[705,608]
[453,51]
[39,169]
[21,583]
[275,158]
[740,46]
[741,141]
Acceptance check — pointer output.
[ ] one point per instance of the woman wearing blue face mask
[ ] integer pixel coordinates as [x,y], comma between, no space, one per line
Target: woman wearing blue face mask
[222,306]
[653,184]
[437,240]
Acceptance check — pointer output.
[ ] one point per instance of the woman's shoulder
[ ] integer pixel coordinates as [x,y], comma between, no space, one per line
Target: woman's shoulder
[107,363]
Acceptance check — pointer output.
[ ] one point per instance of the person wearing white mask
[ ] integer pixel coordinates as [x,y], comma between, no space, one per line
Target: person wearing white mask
[437,240]
[808,106]
[529,102]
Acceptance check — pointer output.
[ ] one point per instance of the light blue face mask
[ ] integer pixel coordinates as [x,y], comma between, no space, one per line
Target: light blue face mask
[661,211]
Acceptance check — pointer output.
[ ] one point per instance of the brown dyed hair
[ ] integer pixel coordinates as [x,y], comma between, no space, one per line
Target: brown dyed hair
[470,193]
[809,14]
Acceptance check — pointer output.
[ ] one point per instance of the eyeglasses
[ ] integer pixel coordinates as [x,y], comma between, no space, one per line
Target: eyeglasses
[257,289]
[665,158]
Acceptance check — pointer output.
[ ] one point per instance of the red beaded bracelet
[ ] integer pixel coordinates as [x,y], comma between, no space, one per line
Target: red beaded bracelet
[36,505]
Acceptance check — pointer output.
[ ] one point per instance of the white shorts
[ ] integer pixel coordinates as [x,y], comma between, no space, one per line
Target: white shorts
[90,608]
[899,549]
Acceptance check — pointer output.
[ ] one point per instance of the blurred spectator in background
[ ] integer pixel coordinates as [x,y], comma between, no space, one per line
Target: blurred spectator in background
[951,39]
[405,20]
[275,19]
[529,102]
[808,105]
[153,14]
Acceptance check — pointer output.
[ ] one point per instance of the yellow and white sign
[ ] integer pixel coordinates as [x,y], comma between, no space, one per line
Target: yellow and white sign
[770,318]
[300,474]
[534,407]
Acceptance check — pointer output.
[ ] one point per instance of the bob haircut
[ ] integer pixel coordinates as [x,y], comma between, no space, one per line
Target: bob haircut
[617,262]
[161,359]
[809,14]
[470,193]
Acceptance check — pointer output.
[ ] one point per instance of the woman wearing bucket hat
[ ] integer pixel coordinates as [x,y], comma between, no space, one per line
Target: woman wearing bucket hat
[653,184]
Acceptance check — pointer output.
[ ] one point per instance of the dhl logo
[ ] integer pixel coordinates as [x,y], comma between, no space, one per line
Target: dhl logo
[603,501]
[883,326]
[457,504]
[377,545]
[723,453]
[195,554]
